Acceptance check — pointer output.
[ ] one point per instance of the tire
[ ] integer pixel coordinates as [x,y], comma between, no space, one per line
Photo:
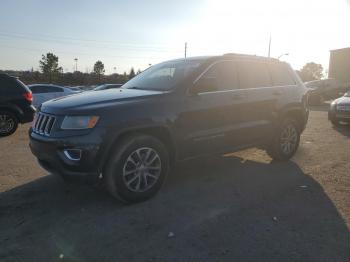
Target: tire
[284,146]
[8,123]
[137,168]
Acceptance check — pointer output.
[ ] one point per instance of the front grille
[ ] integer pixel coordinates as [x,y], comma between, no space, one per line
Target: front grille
[43,124]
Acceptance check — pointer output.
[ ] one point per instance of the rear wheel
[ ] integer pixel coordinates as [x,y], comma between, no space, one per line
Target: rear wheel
[286,141]
[8,123]
[137,168]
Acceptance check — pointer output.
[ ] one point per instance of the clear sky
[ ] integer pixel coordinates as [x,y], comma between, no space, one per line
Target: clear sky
[136,33]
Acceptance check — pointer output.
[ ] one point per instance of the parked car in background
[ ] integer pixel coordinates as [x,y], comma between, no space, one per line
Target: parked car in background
[107,86]
[339,110]
[172,111]
[15,104]
[45,92]
[323,90]
[76,88]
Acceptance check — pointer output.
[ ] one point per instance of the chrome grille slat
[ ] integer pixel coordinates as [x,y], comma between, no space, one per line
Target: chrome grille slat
[43,124]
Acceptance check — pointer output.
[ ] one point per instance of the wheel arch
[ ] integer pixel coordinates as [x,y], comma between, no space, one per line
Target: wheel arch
[160,132]
[297,114]
[13,109]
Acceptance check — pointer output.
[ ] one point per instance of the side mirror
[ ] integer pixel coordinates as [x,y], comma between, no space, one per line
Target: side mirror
[204,85]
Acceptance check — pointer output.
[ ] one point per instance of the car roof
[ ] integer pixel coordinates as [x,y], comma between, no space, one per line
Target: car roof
[228,56]
[46,85]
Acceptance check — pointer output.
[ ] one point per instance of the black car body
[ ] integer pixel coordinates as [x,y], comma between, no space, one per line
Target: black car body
[339,110]
[183,108]
[15,104]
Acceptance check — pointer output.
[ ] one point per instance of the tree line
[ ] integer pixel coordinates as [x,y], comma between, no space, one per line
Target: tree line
[51,72]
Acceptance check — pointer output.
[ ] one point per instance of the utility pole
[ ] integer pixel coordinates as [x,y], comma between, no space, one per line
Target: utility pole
[76,64]
[186,50]
[269,52]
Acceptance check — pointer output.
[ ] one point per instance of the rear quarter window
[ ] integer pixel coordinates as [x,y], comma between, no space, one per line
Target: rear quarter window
[280,75]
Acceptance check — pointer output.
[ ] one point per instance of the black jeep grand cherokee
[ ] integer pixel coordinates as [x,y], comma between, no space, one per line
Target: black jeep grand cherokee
[172,111]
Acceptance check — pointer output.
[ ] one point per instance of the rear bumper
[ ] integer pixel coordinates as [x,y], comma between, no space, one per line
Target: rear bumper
[28,114]
[50,154]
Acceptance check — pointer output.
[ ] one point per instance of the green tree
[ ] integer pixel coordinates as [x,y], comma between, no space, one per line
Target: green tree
[138,72]
[99,69]
[49,66]
[132,73]
[311,71]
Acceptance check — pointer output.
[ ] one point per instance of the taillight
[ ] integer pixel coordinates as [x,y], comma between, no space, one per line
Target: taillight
[28,96]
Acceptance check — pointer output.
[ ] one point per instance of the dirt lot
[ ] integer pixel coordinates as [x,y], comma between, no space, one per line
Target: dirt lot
[235,208]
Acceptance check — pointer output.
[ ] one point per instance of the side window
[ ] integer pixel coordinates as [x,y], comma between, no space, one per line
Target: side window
[34,89]
[280,75]
[225,75]
[55,89]
[253,74]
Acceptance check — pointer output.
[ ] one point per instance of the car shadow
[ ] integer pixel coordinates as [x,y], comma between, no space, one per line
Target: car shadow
[343,129]
[210,209]
[321,108]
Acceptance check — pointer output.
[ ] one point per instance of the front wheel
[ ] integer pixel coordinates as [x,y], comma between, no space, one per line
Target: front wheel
[286,141]
[137,168]
[8,123]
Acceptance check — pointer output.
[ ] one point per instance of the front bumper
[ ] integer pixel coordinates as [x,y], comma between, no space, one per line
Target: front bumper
[50,153]
[334,114]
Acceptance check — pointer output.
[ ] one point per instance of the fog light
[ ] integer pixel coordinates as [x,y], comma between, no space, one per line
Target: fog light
[72,154]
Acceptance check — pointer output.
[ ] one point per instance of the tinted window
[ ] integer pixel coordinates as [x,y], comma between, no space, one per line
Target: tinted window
[9,85]
[35,89]
[225,75]
[45,89]
[253,74]
[280,75]
[54,89]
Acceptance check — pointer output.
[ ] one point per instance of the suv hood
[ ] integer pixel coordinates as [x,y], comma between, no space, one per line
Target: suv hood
[92,100]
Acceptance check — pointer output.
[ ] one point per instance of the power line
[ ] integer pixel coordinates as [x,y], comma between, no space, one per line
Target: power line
[68,41]
[81,54]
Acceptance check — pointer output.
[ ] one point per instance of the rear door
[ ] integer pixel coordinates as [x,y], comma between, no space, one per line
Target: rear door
[257,101]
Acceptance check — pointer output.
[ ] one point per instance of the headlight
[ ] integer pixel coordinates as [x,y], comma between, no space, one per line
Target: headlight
[79,122]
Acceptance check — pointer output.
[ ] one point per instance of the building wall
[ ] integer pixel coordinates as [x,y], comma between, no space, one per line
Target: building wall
[339,65]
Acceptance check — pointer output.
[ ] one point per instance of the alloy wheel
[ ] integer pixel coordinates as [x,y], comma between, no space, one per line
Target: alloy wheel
[289,139]
[7,123]
[142,169]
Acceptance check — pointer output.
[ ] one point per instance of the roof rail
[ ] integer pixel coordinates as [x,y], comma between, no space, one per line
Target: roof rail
[251,56]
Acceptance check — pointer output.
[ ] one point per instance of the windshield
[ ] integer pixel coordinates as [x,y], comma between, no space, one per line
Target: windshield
[163,76]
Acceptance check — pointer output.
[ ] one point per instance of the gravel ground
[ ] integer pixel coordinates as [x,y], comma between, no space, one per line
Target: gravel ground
[240,207]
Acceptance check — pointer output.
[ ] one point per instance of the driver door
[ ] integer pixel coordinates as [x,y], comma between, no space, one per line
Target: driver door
[207,122]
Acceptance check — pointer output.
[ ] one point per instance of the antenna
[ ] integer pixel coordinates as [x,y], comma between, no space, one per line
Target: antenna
[186,50]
